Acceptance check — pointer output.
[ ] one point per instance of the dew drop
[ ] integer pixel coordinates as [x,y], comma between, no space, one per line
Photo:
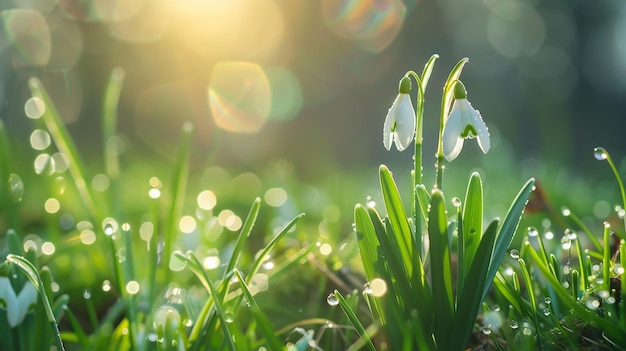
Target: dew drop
[106,285]
[86,294]
[600,153]
[565,211]
[228,317]
[549,235]
[495,308]
[532,232]
[618,269]
[514,254]
[546,312]
[547,300]
[514,324]
[456,202]
[486,329]
[15,188]
[566,243]
[367,289]
[332,300]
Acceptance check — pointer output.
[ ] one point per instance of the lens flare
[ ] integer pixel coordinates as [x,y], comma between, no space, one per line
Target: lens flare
[239,96]
[370,24]
[29,35]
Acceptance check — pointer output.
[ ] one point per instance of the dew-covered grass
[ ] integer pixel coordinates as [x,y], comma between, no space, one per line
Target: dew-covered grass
[125,252]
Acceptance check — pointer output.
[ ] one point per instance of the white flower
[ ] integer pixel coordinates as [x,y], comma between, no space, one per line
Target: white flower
[463,122]
[400,121]
[16,305]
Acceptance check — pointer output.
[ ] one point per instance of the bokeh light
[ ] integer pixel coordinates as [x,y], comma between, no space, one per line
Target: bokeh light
[239,96]
[28,32]
[370,24]
[216,29]
[515,29]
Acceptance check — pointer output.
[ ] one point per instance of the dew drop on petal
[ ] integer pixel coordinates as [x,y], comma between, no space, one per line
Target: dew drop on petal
[332,300]
[600,153]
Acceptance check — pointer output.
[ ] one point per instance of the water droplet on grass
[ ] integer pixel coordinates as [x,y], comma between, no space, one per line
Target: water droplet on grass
[228,317]
[456,202]
[532,232]
[600,153]
[514,324]
[547,300]
[566,243]
[565,211]
[514,254]
[332,300]
[15,188]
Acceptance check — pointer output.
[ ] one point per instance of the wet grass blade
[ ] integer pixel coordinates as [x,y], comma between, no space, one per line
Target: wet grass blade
[179,184]
[472,220]
[243,234]
[508,229]
[471,295]
[66,146]
[398,218]
[31,273]
[354,320]
[265,328]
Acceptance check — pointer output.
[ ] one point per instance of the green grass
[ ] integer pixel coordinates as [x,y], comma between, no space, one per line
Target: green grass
[450,271]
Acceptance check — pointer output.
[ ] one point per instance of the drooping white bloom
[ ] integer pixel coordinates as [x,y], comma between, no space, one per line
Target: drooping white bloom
[463,122]
[400,121]
[16,305]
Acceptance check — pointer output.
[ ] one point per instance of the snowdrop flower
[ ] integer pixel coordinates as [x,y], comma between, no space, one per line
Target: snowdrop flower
[400,121]
[16,305]
[463,122]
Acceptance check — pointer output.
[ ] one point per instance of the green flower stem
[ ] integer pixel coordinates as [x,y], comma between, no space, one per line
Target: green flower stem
[419,122]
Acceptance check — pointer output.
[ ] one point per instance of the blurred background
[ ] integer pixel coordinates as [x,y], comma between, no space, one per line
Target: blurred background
[306,84]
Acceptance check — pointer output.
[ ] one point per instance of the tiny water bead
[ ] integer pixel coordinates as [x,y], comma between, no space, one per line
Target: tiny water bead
[34,108]
[15,187]
[456,202]
[566,243]
[332,300]
[514,253]
[532,232]
[106,285]
[565,211]
[513,324]
[547,300]
[228,316]
[600,153]
[618,269]
[132,287]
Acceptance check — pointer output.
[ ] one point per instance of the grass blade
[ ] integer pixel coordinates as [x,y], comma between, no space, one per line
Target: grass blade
[472,219]
[31,273]
[243,234]
[352,317]
[441,269]
[508,229]
[471,295]
[66,146]
[268,332]
[398,218]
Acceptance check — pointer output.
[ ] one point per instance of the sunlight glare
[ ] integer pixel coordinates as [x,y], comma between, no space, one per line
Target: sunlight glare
[239,96]
[370,24]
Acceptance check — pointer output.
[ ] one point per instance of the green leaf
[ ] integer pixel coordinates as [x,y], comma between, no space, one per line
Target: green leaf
[398,218]
[243,235]
[354,320]
[423,199]
[265,328]
[368,242]
[507,231]
[472,218]
[428,70]
[66,146]
[452,78]
[471,295]
[441,269]
[31,273]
